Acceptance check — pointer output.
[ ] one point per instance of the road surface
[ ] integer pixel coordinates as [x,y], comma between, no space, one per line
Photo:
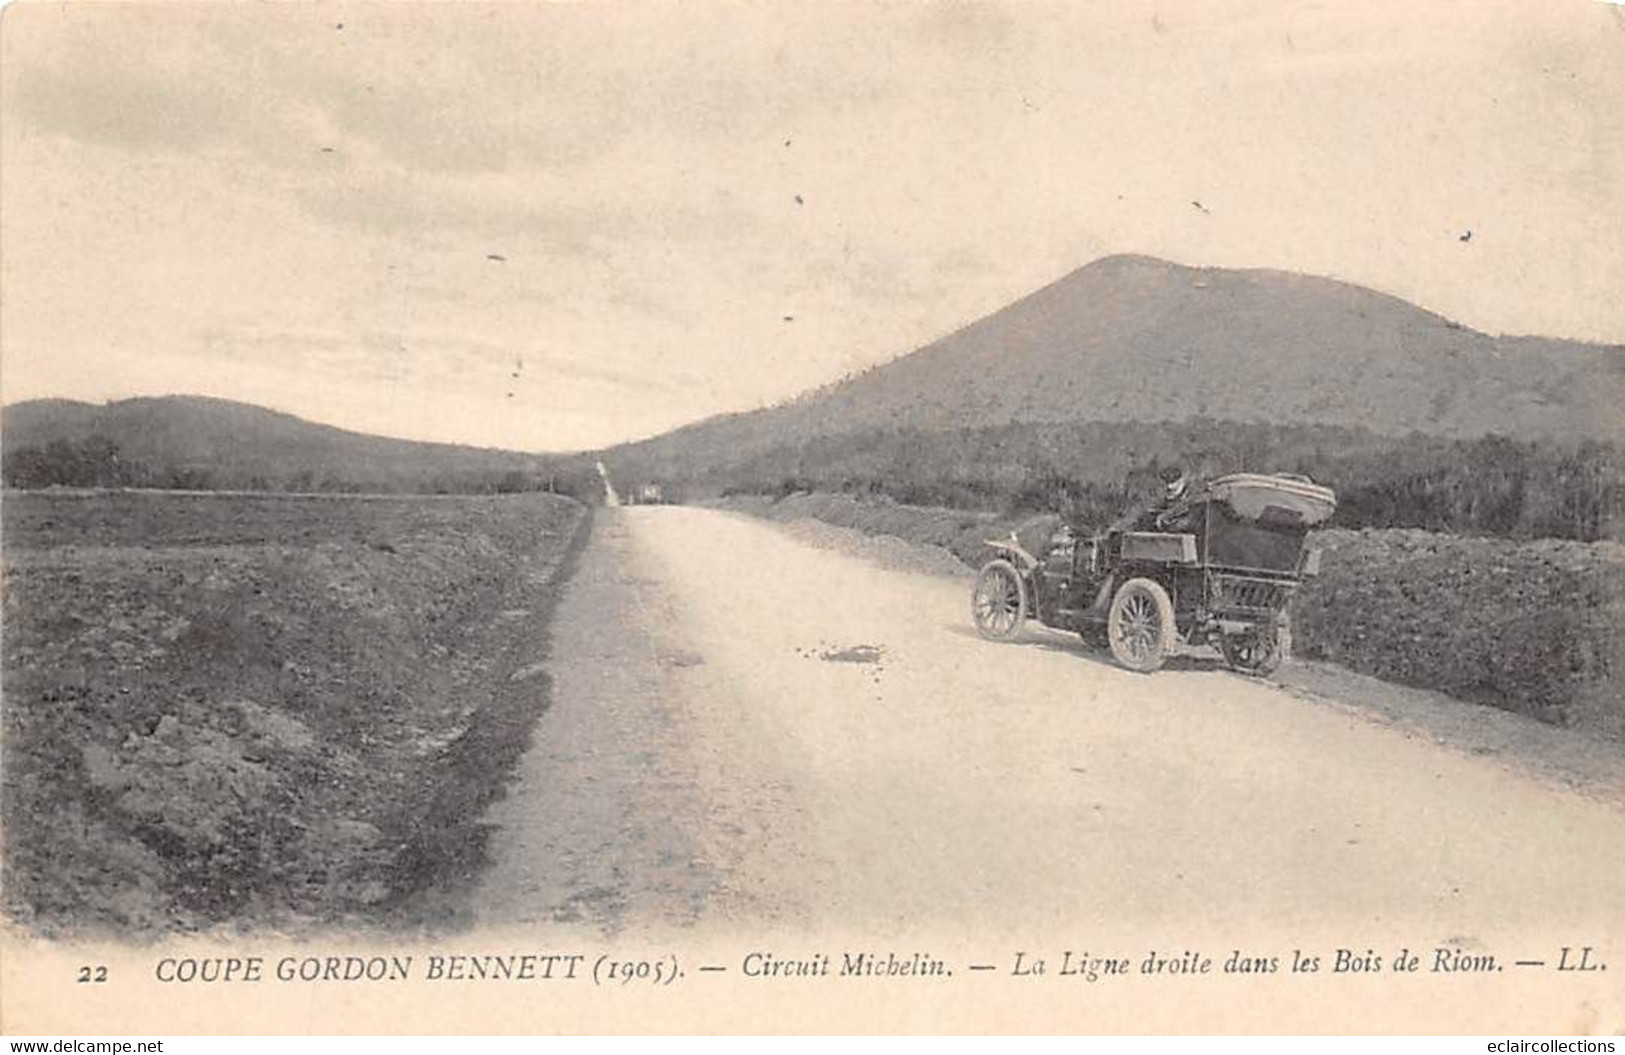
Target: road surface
[750,730]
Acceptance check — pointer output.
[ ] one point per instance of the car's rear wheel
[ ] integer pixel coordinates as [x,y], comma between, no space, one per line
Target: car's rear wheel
[999,601]
[1140,625]
[1258,653]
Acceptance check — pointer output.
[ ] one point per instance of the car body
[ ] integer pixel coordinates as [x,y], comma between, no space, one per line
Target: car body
[1216,567]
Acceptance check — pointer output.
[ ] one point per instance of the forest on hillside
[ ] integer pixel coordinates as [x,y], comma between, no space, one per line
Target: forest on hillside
[99,461]
[1491,486]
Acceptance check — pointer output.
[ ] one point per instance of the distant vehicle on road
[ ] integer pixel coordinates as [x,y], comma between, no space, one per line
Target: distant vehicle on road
[1217,566]
[650,495]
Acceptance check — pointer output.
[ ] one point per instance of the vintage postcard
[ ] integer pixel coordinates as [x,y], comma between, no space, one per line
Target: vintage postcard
[773,517]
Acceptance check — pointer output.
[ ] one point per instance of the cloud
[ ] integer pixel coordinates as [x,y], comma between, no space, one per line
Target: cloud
[964,26]
[285,119]
[118,106]
[524,88]
[557,217]
[422,357]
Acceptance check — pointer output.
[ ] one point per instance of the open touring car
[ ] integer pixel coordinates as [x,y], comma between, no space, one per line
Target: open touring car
[1217,566]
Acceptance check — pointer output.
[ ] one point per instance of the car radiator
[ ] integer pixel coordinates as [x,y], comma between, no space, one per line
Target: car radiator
[1243,593]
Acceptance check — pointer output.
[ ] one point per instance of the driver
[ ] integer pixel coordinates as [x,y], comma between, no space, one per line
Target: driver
[1175,484]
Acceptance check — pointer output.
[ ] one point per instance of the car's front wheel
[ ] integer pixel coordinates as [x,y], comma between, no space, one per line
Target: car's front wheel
[999,601]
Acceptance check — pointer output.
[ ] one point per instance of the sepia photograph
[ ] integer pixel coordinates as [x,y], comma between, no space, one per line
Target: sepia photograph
[944,517]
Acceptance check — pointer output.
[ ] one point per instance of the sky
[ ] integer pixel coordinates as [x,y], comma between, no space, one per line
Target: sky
[560,226]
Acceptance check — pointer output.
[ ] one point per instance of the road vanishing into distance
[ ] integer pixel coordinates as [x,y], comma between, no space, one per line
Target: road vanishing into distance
[751,730]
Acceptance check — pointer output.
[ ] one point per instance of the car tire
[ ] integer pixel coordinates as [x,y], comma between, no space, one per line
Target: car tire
[1258,655]
[999,601]
[1140,625]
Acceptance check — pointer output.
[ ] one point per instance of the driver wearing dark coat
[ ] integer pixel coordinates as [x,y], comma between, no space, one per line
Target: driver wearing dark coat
[1175,486]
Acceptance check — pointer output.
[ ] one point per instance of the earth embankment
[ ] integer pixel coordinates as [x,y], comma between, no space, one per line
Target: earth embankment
[266,710]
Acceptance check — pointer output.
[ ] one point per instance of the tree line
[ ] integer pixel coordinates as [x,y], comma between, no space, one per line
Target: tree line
[98,461]
[1490,486]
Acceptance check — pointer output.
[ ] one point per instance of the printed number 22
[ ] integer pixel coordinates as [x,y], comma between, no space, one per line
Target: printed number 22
[92,974]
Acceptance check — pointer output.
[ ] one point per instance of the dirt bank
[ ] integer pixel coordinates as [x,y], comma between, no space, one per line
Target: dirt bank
[252,711]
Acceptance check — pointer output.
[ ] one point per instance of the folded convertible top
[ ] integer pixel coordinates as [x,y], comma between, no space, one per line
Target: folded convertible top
[1274,499]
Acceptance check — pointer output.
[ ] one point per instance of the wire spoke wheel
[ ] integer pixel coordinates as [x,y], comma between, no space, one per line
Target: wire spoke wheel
[1140,625]
[1258,653]
[999,601]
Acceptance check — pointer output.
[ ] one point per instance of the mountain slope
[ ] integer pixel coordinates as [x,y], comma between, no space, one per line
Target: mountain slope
[1131,338]
[238,444]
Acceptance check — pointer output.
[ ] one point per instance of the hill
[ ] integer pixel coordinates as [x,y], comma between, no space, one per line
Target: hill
[1130,338]
[195,441]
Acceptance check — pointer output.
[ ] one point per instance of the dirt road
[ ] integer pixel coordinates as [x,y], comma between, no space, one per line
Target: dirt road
[748,729]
